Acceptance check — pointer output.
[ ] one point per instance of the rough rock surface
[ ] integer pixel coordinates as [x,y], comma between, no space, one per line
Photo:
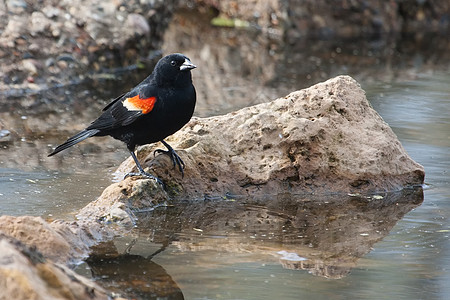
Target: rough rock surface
[59,241]
[26,274]
[326,139]
[119,202]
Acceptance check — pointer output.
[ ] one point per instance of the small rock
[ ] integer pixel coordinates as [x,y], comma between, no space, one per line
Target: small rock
[5,137]
[59,241]
[34,231]
[39,23]
[49,62]
[51,11]
[16,6]
[30,66]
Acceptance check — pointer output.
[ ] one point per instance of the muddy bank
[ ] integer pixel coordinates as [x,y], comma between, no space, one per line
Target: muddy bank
[46,46]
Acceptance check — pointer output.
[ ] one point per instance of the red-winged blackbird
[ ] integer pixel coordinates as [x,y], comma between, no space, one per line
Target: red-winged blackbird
[156,108]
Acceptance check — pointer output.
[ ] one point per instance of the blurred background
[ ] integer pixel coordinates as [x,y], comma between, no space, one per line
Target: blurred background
[61,62]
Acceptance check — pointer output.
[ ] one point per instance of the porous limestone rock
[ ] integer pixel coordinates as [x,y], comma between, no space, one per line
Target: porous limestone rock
[120,201]
[320,140]
[323,140]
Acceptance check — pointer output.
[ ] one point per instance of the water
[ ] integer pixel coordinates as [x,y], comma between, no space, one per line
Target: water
[39,186]
[47,194]
[237,249]
[362,248]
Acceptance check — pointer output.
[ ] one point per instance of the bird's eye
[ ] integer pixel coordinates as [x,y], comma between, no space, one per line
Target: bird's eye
[173,63]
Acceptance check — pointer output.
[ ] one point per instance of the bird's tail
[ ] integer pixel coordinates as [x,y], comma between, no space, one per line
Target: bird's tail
[81,136]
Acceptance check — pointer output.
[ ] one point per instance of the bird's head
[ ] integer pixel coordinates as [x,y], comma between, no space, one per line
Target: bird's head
[174,69]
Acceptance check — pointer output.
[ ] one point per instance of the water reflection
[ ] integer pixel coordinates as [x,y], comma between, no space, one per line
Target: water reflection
[136,276]
[325,237]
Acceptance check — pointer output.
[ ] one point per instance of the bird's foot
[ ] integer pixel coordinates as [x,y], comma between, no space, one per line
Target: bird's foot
[176,159]
[145,174]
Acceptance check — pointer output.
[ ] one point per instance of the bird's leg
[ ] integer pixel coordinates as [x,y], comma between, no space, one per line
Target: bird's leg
[176,159]
[141,170]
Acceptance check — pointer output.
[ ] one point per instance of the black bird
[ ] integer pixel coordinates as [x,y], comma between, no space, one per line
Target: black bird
[156,108]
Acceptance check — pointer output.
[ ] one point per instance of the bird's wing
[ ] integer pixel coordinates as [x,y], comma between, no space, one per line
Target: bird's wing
[146,83]
[125,109]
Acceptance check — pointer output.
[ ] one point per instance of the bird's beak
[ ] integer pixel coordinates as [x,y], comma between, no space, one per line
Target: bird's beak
[187,65]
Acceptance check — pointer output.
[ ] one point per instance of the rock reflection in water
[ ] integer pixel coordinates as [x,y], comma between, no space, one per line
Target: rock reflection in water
[132,276]
[324,236]
[331,233]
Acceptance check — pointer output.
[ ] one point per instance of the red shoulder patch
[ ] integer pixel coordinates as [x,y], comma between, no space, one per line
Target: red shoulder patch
[145,105]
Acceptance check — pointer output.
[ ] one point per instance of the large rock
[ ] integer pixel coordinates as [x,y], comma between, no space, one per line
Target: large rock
[326,139]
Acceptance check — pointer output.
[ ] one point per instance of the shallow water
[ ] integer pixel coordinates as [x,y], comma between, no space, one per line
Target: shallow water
[397,248]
